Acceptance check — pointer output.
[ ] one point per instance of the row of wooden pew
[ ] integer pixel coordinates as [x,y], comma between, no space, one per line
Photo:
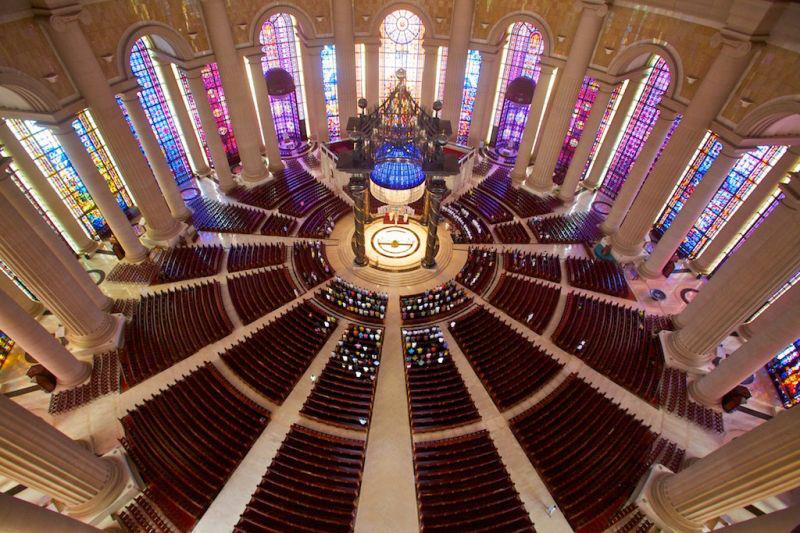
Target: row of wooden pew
[572,228]
[478,272]
[273,193]
[254,294]
[512,233]
[279,225]
[526,300]
[523,203]
[486,206]
[535,265]
[597,275]
[466,226]
[434,304]
[211,215]
[251,256]
[310,263]
[187,262]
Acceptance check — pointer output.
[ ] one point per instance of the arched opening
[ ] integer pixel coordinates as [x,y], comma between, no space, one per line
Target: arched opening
[401,47]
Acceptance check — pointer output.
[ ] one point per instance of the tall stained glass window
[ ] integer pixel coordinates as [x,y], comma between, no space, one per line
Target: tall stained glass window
[703,158]
[6,270]
[219,108]
[638,128]
[401,47]
[158,112]
[784,371]
[577,121]
[611,108]
[470,91]
[328,54]
[748,172]
[361,78]
[6,345]
[441,72]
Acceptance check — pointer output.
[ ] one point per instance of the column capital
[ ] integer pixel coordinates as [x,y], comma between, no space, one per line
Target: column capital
[193,73]
[64,127]
[791,191]
[606,87]
[59,19]
[546,69]
[129,95]
[731,44]
[731,150]
[254,59]
[666,114]
[598,8]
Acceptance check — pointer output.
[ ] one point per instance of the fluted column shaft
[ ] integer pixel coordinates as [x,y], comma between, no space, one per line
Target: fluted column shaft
[315,92]
[77,55]
[457,49]
[533,123]
[240,105]
[763,462]
[46,192]
[749,277]
[259,82]
[710,255]
[569,83]
[37,455]
[436,190]
[96,185]
[487,87]
[158,162]
[31,307]
[219,159]
[20,516]
[372,67]
[712,94]
[429,76]
[691,211]
[345,57]
[567,193]
[780,327]
[638,172]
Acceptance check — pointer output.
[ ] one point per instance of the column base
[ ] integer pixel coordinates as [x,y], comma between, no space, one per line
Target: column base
[697,396]
[89,249]
[588,186]
[645,271]
[255,178]
[120,488]
[652,500]
[82,375]
[273,168]
[518,178]
[623,250]
[567,199]
[698,268]
[676,356]
[430,265]
[533,190]
[203,172]
[745,331]
[105,340]
[164,237]
[608,229]
[183,215]
[171,240]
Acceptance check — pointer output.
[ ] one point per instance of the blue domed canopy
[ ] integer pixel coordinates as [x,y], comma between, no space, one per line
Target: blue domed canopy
[397,175]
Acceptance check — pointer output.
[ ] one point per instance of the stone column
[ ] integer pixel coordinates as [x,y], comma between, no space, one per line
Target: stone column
[435,193]
[708,258]
[691,211]
[240,105]
[98,188]
[372,67]
[173,91]
[55,244]
[531,132]
[345,56]
[749,277]
[638,171]
[81,63]
[780,327]
[457,49]
[487,88]
[763,462]
[712,94]
[783,521]
[358,191]
[38,182]
[219,159]
[429,72]
[155,156]
[39,456]
[315,92]
[259,82]
[569,84]
[31,307]
[23,517]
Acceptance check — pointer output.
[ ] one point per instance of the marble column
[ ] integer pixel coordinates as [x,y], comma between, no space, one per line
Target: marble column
[780,328]
[31,307]
[749,277]
[457,49]
[532,126]
[345,56]
[315,93]
[429,72]
[759,464]
[372,76]
[782,521]
[155,156]
[581,155]
[96,185]
[487,87]
[358,191]
[691,211]
[39,456]
[219,159]
[45,191]
[712,253]
[566,92]
[638,171]
[435,193]
[80,61]
[715,88]
[240,105]
[173,91]
[20,516]
[259,82]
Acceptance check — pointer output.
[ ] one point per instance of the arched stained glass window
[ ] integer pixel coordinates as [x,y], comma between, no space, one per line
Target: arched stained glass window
[328,54]
[6,345]
[638,128]
[577,121]
[469,92]
[158,112]
[784,370]
[401,47]
[611,108]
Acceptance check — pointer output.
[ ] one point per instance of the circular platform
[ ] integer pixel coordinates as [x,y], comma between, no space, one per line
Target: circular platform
[395,247]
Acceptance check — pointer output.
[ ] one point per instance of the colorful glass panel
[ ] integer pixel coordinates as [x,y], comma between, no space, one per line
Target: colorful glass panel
[441,72]
[785,373]
[361,60]
[577,121]
[6,270]
[469,92]
[401,47]
[6,345]
[611,108]
[328,55]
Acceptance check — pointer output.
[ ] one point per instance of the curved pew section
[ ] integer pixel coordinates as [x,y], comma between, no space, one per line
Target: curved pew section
[344,392]
[437,396]
[512,233]
[589,452]
[143,273]
[310,263]
[210,215]
[487,206]
[250,256]
[463,485]
[542,266]
[597,275]
[574,228]
[465,226]
[353,301]
[509,365]
[522,202]
[619,342]
[528,301]
[478,272]
[312,485]
[169,326]
[187,262]
[273,193]
[434,304]
[301,202]
[319,224]
[187,440]
[279,225]
[254,294]
[273,358]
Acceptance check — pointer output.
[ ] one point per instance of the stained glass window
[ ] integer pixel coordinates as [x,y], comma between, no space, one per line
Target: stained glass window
[158,112]
[6,345]
[611,108]
[785,373]
[361,78]
[704,157]
[638,128]
[748,172]
[441,72]
[328,54]
[219,108]
[577,121]
[401,47]
[5,270]
[470,91]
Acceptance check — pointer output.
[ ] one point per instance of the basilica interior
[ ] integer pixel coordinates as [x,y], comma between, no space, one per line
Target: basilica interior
[398,266]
